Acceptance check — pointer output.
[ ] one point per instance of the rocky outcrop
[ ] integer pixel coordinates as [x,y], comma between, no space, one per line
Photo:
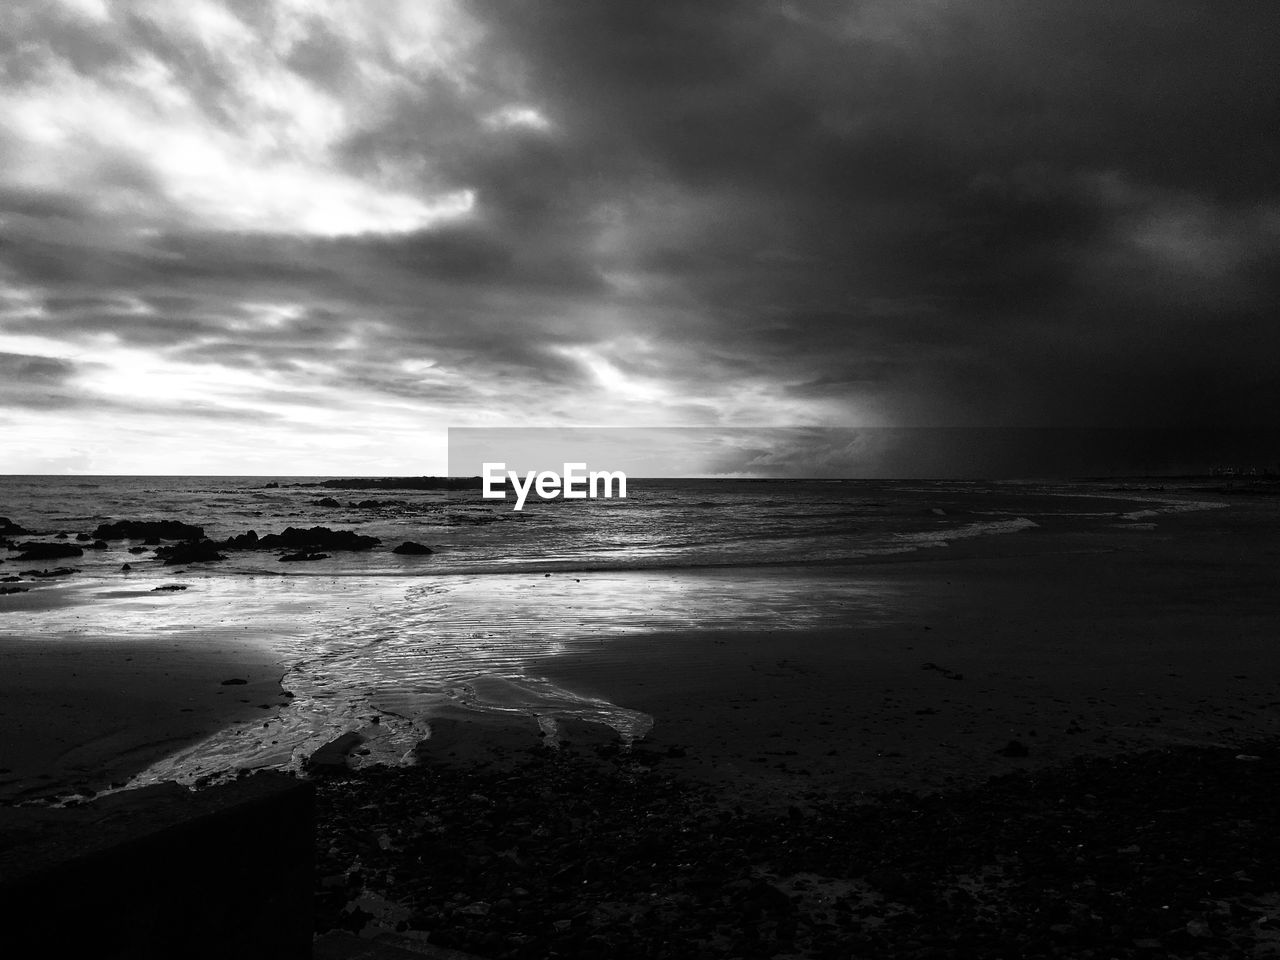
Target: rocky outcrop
[327,502]
[10,529]
[36,550]
[411,548]
[148,530]
[191,551]
[293,557]
[306,540]
[400,483]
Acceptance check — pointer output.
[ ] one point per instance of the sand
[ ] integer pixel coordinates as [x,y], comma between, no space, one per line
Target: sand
[1162,636]
[1063,642]
[90,713]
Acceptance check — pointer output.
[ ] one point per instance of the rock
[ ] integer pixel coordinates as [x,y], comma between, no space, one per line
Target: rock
[36,550]
[98,545]
[169,586]
[272,485]
[327,502]
[1014,748]
[304,539]
[332,757]
[289,557]
[411,548]
[234,682]
[147,530]
[193,551]
[45,574]
[368,504]
[137,549]
[10,529]
[83,537]
[125,568]
[5,590]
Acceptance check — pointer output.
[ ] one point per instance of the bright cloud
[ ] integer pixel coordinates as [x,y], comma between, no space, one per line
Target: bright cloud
[217,128]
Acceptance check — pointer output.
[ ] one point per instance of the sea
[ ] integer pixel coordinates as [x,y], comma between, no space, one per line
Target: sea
[379,643]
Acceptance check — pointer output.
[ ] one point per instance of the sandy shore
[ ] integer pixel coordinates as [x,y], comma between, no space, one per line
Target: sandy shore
[90,713]
[1059,642]
[1068,648]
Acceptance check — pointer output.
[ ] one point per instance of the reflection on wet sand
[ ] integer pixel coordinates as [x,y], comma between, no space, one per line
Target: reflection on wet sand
[380,660]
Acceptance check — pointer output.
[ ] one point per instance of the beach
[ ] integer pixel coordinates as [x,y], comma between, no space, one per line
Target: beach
[922,669]
[988,678]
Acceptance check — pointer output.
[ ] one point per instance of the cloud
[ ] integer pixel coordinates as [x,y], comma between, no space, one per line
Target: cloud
[918,212]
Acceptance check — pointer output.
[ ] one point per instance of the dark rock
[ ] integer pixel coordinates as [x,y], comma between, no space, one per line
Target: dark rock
[60,536]
[98,545]
[169,586]
[272,485]
[83,537]
[1014,748]
[152,541]
[305,540]
[125,568]
[368,504]
[36,550]
[5,590]
[45,574]
[290,557]
[137,549]
[332,757]
[411,548]
[11,529]
[234,682]
[148,530]
[403,483]
[327,502]
[193,551]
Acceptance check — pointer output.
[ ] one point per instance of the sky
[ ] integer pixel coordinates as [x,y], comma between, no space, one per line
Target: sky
[310,236]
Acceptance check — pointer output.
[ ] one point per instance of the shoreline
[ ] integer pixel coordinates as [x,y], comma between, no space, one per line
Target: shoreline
[1067,642]
[86,715]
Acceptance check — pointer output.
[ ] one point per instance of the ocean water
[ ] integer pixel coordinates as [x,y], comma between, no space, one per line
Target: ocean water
[373,634]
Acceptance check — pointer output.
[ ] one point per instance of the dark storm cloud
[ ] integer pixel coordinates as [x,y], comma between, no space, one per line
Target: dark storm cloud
[908,212]
[1027,168]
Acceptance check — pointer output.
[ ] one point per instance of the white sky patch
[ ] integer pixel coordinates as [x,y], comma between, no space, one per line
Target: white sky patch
[95,10]
[517,115]
[145,142]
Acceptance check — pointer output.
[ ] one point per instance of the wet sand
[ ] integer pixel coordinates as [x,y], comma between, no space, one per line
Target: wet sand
[90,713]
[1062,641]
[1160,637]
